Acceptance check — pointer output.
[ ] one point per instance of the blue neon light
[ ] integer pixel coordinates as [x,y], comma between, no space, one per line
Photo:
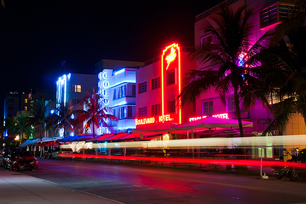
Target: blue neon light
[121,82]
[120,71]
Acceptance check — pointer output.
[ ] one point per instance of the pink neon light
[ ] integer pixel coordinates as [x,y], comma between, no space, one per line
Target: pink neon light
[170,58]
[152,120]
[270,26]
[203,161]
[221,115]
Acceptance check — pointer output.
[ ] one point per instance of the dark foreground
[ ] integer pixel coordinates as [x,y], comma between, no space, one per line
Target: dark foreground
[136,184]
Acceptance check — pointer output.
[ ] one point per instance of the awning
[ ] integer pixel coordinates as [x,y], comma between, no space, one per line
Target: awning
[120,135]
[163,127]
[106,136]
[65,139]
[54,144]
[211,122]
[29,142]
[151,137]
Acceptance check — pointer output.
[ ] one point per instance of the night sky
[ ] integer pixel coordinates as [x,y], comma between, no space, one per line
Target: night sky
[36,36]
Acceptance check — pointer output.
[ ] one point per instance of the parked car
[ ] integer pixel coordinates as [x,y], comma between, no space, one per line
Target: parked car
[1,159]
[4,155]
[20,160]
[52,153]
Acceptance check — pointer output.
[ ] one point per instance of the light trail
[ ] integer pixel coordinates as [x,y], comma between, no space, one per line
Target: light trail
[187,160]
[293,140]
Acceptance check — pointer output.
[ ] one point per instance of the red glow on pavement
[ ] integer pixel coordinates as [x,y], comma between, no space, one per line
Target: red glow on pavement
[238,155]
[204,161]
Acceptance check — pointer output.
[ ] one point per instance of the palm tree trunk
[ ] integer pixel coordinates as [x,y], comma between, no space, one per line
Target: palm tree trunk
[236,99]
[21,139]
[238,112]
[93,130]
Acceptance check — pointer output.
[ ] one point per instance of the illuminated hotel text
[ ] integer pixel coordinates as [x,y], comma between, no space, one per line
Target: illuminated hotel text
[222,115]
[152,120]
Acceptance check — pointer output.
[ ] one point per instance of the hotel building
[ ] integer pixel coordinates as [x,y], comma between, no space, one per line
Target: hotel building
[160,82]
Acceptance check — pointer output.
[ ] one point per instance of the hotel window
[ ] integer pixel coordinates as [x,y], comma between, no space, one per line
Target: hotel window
[122,91]
[171,77]
[114,97]
[131,90]
[142,112]
[207,107]
[275,13]
[268,16]
[129,111]
[272,98]
[25,100]
[155,110]
[77,88]
[155,83]
[25,108]
[230,104]
[284,12]
[171,106]
[142,87]
[122,112]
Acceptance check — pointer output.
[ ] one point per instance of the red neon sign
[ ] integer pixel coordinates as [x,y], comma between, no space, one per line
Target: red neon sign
[221,115]
[172,59]
[153,120]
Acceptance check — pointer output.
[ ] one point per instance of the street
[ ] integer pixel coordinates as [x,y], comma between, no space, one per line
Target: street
[137,184]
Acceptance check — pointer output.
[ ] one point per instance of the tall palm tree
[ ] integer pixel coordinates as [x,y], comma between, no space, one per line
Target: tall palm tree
[232,31]
[23,125]
[38,115]
[10,125]
[94,113]
[290,69]
[62,118]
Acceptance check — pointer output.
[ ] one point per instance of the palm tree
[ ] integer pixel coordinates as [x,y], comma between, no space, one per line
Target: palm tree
[10,125]
[290,69]
[38,115]
[23,125]
[95,113]
[62,118]
[232,31]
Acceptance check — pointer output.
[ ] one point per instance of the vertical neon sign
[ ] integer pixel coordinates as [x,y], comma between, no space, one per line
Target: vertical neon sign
[171,60]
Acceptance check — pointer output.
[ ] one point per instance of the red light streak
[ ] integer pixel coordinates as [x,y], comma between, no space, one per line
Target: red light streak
[186,160]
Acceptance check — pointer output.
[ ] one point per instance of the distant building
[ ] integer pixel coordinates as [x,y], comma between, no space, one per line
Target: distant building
[73,87]
[18,102]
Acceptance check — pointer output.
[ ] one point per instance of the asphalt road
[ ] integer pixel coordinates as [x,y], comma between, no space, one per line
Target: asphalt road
[135,184]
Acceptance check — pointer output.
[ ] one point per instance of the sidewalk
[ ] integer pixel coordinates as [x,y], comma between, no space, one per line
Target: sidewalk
[16,187]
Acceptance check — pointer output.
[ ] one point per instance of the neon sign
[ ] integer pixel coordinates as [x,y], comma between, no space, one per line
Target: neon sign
[153,120]
[222,115]
[171,57]
[104,85]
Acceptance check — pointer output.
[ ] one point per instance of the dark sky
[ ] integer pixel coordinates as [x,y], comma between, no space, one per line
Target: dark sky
[36,36]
